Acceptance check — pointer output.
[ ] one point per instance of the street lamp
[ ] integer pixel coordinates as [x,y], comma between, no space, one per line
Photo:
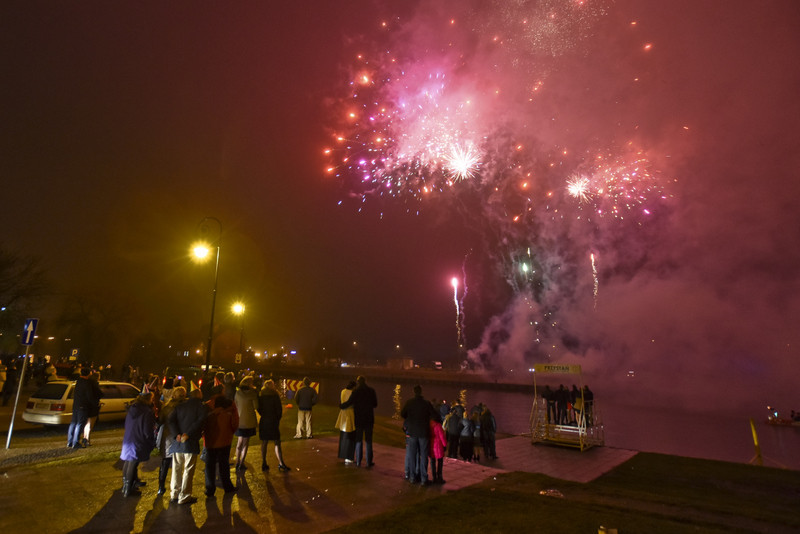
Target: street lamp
[201,251]
[238,309]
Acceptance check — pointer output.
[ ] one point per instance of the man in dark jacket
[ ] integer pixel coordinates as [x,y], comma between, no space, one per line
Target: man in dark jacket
[418,413]
[488,431]
[562,399]
[305,398]
[186,423]
[86,395]
[452,426]
[364,401]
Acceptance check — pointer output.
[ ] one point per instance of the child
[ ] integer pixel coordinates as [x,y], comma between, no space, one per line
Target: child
[438,445]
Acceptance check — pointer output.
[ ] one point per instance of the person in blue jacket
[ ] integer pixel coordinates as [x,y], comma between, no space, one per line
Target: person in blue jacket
[138,441]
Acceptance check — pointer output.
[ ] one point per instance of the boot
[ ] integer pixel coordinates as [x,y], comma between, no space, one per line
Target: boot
[162,477]
[128,488]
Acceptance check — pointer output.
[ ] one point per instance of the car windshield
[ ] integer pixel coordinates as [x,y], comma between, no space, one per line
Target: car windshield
[51,391]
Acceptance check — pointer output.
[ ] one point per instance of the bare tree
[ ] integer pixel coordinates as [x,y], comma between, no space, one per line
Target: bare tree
[22,286]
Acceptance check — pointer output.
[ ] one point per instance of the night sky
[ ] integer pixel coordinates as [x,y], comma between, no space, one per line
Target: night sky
[125,124]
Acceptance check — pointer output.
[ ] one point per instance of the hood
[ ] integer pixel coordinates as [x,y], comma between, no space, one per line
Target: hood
[138,409]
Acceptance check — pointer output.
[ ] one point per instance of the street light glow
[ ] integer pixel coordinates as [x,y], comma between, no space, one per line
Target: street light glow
[201,251]
[238,308]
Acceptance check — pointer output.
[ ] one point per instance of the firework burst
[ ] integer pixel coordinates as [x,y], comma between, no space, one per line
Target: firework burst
[452,113]
[462,163]
[578,187]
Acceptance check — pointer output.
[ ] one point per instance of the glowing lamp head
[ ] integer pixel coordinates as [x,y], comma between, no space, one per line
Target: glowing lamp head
[201,251]
[454,282]
[238,308]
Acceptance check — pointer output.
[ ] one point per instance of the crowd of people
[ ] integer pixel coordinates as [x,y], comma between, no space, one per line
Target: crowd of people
[565,406]
[184,420]
[434,429]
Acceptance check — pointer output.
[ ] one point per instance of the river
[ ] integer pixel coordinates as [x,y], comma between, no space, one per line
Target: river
[664,431]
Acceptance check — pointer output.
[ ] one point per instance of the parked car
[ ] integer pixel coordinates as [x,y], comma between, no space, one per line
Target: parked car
[52,403]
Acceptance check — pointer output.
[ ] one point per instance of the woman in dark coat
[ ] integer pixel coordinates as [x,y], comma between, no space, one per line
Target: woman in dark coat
[271,410]
[138,441]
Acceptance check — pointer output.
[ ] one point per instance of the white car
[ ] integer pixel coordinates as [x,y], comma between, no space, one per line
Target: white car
[52,404]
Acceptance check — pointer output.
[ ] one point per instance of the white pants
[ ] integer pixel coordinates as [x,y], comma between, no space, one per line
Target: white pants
[303,419]
[183,464]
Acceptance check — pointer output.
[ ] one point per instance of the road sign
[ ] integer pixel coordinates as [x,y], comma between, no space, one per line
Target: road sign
[29,331]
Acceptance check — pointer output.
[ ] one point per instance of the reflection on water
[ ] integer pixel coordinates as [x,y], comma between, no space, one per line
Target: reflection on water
[397,399]
[462,398]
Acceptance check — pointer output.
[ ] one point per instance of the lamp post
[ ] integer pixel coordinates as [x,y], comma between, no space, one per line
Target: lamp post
[201,251]
[238,309]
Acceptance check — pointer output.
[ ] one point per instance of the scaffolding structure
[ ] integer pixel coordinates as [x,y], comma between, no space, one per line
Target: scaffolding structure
[584,432]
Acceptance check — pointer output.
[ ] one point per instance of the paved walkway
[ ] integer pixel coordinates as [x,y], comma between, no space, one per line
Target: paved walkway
[319,494]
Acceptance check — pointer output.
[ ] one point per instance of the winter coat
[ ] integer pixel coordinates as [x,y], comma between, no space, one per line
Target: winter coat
[306,398]
[488,425]
[454,424]
[97,393]
[165,439]
[364,401]
[271,410]
[221,423]
[467,428]
[139,438]
[188,418]
[246,404]
[346,419]
[418,412]
[86,394]
[438,440]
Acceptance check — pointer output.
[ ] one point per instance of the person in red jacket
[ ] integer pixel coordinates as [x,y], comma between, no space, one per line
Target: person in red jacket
[438,448]
[222,422]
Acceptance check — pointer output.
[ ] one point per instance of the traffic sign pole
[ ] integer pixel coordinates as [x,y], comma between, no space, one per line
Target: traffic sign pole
[16,399]
[28,335]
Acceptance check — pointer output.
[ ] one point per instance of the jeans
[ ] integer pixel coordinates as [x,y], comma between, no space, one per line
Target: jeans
[417,459]
[363,434]
[79,419]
